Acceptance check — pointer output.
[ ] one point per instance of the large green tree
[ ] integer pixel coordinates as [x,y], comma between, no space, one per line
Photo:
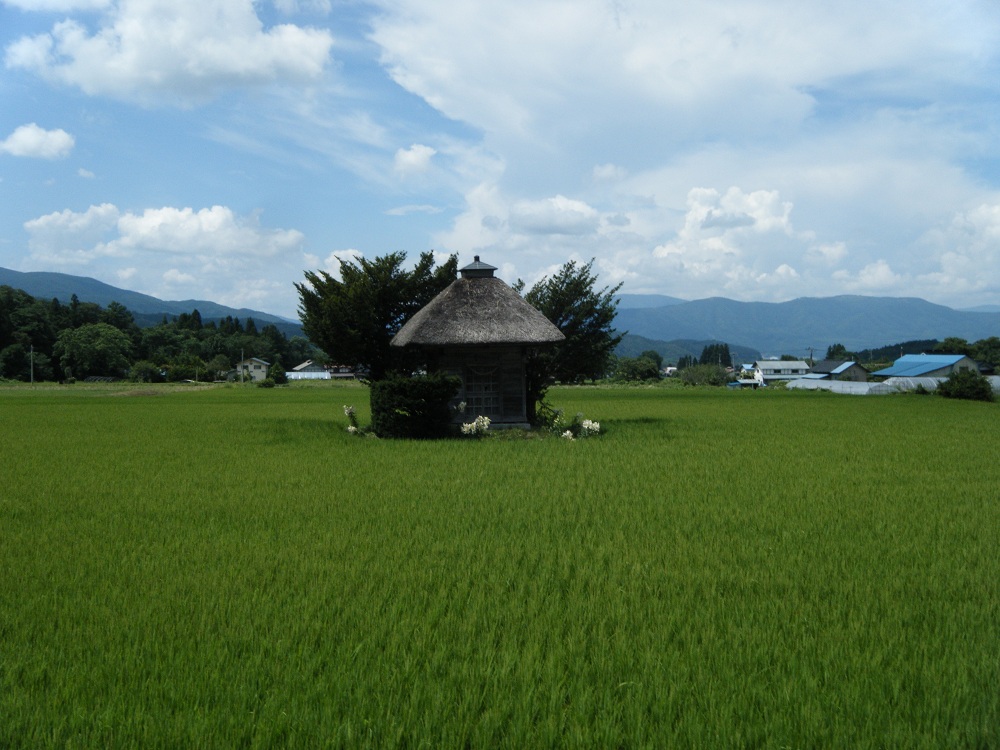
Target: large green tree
[354,318]
[987,350]
[636,369]
[93,349]
[586,317]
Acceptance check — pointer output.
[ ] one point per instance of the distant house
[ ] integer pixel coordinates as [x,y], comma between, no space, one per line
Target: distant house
[838,369]
[774,369]
[253,368]
[748,376]
[344,372]
[927,366]
[308,370]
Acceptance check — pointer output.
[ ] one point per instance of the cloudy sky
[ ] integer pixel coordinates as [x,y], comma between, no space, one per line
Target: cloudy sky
[754,149]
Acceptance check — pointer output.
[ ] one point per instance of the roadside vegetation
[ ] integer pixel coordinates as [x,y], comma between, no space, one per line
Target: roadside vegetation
[222,566]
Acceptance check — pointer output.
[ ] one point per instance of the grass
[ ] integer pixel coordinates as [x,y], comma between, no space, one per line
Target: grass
[226,567]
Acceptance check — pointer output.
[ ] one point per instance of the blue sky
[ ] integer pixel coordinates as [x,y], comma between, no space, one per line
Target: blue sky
[755,149]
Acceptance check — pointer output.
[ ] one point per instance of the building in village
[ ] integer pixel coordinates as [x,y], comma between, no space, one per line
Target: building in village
[927,366]
[253,368]
[308,370]
[482,331]
[776,369]
[838,369]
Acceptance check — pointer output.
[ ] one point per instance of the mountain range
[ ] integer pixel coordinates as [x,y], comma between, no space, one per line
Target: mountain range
[653,321]
[803,326]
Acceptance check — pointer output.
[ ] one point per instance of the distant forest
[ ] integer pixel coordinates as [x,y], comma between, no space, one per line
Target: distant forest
[48,340]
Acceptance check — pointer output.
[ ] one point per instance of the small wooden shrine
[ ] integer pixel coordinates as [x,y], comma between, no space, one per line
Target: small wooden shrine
[482,331]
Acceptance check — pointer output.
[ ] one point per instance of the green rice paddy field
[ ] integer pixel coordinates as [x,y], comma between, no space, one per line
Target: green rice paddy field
[227,567]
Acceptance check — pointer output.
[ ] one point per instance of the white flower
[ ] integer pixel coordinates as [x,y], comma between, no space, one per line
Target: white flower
[479,426]
[352,429]
[568,434]
[590,427]
[348,411]
[461,407]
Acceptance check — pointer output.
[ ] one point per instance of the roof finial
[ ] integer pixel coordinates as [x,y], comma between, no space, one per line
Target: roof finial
[478,270]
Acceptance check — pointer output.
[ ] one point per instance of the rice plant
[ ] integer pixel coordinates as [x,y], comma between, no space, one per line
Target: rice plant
[230,567]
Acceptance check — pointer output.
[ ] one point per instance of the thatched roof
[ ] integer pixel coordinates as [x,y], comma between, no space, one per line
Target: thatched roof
[477,309]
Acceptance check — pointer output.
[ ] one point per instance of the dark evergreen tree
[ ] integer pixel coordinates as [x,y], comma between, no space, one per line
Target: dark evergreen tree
[686,361]
[354,318]
[585,315]
[716,354]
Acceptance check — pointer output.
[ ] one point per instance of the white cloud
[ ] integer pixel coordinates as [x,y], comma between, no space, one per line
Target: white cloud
[736,243]
[515,68]
[864,129]
[69,236]
[179,50]
[827,254]
[966,255]
[61,6]
[609,173]
[413,160]
[721,235]
[874,278]
[558,215]
[175,277]
[693,150]
[34,141]
[303,6]
[208,234]
[85,173]
[208,253]
[422,208]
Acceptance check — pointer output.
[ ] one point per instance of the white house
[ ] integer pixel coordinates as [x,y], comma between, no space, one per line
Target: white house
[253,368]
[775,369]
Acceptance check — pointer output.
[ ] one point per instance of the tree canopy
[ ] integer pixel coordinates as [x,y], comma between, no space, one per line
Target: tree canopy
[838,351]
[93,349]
[185,347]
[635,369]
[716,354]
[966,384]
[585,315]
[354,318]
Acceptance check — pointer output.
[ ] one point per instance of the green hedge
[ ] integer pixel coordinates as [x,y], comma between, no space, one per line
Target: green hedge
[416,407]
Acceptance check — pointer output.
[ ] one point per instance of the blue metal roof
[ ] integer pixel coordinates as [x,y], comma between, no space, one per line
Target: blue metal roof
[915,365]
[841,368]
